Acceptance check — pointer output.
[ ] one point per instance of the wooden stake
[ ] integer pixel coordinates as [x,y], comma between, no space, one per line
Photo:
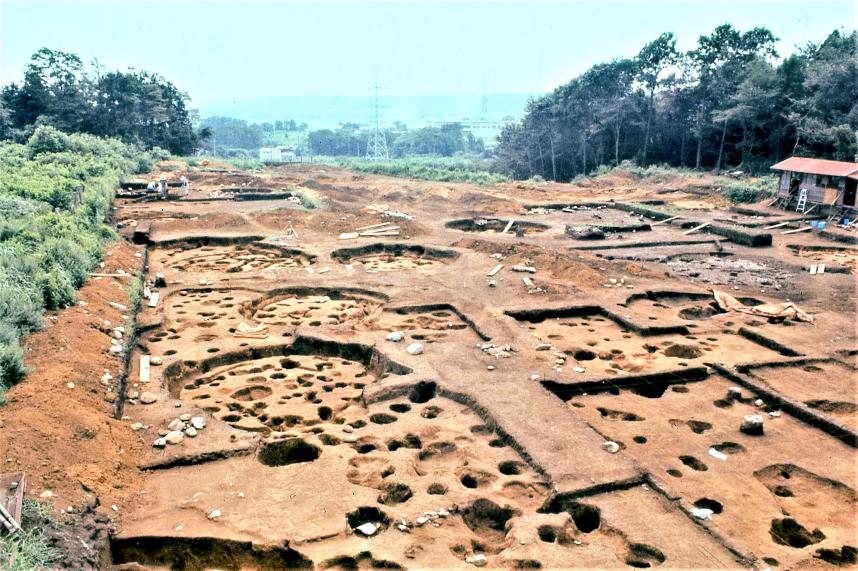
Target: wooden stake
[805,229]
[779,225]
[665,221]
[508,226]
[144,369]
[372,226]
[378,234]
[701,227]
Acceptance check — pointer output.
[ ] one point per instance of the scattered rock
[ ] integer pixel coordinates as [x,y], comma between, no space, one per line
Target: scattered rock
[752,425]
[395,336]
[148,398]
[174,437]
[176,425]
[214,514]
[478,560]
[46,494]
[190,431]
[367,529]
[118,307]
[610,446]
[160,443]
[198,422]
[526,269]
[155,360]
[136,426]
[414,349]
[701,513]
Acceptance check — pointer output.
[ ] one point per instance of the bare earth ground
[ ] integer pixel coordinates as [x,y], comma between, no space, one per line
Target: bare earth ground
[582,421]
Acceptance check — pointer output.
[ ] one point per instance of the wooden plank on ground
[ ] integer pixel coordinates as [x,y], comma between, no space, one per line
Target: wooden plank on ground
[508,226]
[820,269]
[348,235]
[380,234]
[696,228]
[153,299]
[813,268]
[12,487]
[665,221]
[805,229]
[145,368]
[495,270]
[372,226]
[778,225]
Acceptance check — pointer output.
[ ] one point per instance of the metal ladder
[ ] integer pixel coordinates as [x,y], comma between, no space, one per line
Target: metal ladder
[802,200]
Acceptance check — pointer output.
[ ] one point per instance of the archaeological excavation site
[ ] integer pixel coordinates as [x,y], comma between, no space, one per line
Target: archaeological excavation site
[426,375]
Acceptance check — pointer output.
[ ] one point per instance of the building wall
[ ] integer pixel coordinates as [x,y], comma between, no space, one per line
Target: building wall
[821,189]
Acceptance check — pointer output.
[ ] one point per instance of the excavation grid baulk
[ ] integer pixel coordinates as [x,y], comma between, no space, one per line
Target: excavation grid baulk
[364,402]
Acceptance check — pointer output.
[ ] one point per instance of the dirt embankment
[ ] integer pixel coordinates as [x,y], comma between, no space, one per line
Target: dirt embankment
[58,426]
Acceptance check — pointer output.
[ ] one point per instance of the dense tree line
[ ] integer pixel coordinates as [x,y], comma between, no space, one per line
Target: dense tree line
[726,102]
[134,106]
[348,140]
[229,133]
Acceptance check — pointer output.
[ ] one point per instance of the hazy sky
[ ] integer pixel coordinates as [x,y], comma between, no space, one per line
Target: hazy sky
[220,51]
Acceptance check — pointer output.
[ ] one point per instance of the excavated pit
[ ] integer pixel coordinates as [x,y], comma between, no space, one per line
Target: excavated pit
[704,417]
[605,343]
[497,225]
[394,257]
[228,255]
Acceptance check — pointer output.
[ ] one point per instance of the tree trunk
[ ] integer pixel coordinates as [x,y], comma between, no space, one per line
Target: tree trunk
[617,145]
[682,144]
[648,124]
[584,154]
[553,163]
[721,147]
[699,149]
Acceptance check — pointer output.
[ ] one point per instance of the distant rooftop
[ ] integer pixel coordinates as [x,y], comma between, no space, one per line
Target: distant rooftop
[818,166]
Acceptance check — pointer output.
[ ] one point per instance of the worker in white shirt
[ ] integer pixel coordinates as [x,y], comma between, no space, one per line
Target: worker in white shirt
[185,185]
[162,182]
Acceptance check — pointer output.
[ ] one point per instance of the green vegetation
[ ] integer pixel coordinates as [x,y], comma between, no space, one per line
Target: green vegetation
[727,101]
[752,190]
[651,171]
[441,169]
[350,141]
[29,550]
[55,195]
[134,106]
[309,199]
[237,163]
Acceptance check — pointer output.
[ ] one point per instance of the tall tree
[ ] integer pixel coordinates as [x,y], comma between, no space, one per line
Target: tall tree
[653,61]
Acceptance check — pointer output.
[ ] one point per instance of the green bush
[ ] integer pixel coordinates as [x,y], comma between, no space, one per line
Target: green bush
[12,368]
[57,288]
[55,197]
[752,190]
[29,550]
[440,169]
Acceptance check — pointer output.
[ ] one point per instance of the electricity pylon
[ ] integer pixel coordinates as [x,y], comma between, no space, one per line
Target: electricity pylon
[376,145]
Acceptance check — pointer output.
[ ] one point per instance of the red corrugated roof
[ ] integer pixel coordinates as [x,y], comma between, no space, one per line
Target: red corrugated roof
[816,166]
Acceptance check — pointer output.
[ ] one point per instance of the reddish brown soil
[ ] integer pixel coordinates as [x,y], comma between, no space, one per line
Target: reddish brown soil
[325,423]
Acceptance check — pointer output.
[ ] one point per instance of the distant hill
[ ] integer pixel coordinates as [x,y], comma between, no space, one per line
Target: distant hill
[329,111]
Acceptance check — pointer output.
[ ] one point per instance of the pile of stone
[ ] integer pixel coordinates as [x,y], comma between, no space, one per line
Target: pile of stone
[428,518]
[179,428]
[497,351]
